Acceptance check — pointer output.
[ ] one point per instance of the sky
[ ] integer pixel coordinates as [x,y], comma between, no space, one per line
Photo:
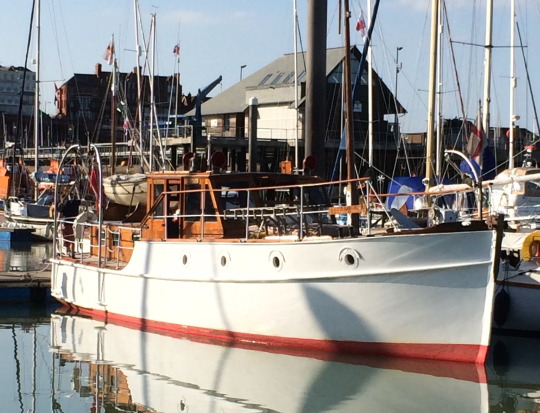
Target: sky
[217,37]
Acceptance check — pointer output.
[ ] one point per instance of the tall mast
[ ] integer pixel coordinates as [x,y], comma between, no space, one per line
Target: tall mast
[152,97]
[349,126]
[138,72]
[370,95]
[432,84]
[438,149]
[113,117]
[36,98]
[295,27]
[511,136]
[487,78]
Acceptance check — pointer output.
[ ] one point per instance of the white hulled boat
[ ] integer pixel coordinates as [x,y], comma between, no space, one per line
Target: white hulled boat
[244,258]
[515,193]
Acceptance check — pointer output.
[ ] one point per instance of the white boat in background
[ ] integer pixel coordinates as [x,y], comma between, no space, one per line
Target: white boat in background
[515,193]
[165,373]
[255,257]
[126,189]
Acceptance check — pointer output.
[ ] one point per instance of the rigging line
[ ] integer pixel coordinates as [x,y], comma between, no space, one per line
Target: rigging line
[21,97]
[55,31]
[454,65]
[528,77]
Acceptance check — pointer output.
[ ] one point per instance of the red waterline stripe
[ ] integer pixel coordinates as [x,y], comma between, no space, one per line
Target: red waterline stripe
[330,350]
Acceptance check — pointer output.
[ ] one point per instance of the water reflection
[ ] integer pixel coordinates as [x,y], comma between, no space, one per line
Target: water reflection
[23,257]
[75,364]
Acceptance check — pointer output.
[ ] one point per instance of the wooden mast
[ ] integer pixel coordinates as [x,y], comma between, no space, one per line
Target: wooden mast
[431,88]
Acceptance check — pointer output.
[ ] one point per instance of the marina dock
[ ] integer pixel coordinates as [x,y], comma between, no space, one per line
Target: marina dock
[32,287]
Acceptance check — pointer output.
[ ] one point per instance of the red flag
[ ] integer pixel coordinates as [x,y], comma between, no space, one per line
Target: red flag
[475,144]
[176,50]
[361,24]
[108,56]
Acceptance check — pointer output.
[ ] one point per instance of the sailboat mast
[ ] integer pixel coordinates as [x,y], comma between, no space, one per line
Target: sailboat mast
[36,98]
[432,84]
[438,148]
[370,94]
[113,118]
[487,78]
[511,136]
[152,97]
[349,126]
[295,27]
[138,72]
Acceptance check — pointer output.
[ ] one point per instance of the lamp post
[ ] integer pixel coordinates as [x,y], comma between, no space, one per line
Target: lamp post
[241,68]
[396,123]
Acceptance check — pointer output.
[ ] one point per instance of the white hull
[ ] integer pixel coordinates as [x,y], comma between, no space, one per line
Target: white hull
[517,295]
[43,227]
[522,286]
[126,189]
[416,295]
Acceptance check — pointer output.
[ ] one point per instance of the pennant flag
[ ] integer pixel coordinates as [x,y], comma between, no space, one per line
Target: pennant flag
[108,56]
[361,24]
[176,50]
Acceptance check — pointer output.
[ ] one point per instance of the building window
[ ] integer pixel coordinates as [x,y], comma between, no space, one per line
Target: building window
[265,79]
[289,77]
[226,123]
[279,76]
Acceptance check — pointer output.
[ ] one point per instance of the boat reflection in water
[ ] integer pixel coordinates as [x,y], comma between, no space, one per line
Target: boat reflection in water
[23,257]
[143,371]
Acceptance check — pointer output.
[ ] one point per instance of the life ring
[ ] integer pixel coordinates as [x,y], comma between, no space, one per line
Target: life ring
[531,246]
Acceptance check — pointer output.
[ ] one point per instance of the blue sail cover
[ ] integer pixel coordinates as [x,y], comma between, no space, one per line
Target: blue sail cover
[404,184]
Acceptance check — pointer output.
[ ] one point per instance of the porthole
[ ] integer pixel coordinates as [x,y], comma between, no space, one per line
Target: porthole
[224,259]
[350,257]
[276,260]
[185,258]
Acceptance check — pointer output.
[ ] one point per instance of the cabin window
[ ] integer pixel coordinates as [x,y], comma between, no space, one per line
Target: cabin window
[532,189]
[193,203]
[230,198]
[194,206]
[158,189]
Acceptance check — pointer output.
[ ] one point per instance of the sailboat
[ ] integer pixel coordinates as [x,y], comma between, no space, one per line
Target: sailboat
[515,193]
[252,257]
[129,189]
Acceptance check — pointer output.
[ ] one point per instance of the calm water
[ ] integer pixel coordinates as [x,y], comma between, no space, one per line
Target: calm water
[54,362]
[24,256]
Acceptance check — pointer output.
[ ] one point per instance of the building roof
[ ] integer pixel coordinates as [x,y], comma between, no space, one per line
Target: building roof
[272,84]
[274,76]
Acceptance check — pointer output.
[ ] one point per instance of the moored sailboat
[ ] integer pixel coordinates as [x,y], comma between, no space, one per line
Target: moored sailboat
[258,257]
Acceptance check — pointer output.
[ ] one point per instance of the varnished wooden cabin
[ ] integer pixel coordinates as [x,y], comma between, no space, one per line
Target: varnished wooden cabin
[225,206]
